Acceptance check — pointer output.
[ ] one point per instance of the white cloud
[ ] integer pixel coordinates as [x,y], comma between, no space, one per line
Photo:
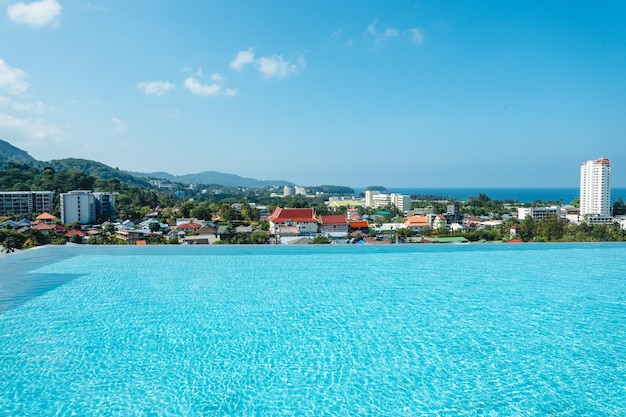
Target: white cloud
[36,129]
[276,66]
[94,7]
[382,36]
[231,92]
[371,28]
[155,88]
[118,125]
[242,58]
[196,87]
[416,36]
[37,107]
[336,34]
[37,14]
[217,77]
[12,80]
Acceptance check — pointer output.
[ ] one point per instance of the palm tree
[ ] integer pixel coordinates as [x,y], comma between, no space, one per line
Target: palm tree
[8,245]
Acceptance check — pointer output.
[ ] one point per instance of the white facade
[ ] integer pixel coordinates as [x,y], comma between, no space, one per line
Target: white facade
[402,202]
[595,188]
[78,206]
[538,213]
[86,207]
[376,199]
[369,198]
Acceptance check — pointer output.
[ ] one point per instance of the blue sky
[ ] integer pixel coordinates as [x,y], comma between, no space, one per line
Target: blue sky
[357,93]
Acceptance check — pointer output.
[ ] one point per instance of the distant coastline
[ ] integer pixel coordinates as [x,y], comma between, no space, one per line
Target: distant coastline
[523,195]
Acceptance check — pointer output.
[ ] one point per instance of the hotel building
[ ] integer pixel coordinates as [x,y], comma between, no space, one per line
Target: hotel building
[25,202]
[86,207]
[595,191]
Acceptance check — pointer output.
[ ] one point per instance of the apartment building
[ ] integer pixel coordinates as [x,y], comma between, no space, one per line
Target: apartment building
[595,191]
[85,207]
[25,202]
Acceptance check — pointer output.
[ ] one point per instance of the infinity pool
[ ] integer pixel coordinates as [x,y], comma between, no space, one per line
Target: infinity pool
[399,330]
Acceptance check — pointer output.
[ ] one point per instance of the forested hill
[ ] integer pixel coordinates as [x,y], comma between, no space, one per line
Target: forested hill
[95,169]
[212,177]
[9,152]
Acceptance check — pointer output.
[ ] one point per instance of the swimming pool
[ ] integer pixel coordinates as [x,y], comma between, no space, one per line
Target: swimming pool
[396,330]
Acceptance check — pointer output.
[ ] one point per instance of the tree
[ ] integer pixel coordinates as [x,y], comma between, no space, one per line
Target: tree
[619,208]
[202,211]
[550,228]
[259,237]
[404,232]
[527,229]
[320,239]
[9,245]
[76,239]
[264,225]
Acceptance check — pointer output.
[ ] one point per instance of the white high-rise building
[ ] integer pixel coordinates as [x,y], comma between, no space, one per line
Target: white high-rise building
[595,188]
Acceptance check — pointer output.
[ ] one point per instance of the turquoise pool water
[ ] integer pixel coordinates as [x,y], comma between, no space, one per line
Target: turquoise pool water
[399,330]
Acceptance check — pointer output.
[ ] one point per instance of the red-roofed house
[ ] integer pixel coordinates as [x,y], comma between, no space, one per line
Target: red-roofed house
[360,225]
[75,232]
[46,218]
[43,228]
[189,227]
[416,223]
[334,225]
[302,218]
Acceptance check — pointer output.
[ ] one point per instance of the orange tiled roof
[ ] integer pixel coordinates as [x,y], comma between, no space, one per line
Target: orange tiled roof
[75,232]
[190,225]
[333,219]
[416,221]
[45,216]
[359,223]
[281,215]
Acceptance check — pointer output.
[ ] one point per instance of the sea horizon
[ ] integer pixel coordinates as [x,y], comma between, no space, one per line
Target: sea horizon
[522,194]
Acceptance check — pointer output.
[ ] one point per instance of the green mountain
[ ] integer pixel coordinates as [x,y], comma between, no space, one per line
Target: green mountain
[9,152]
[95,169]
[212,177]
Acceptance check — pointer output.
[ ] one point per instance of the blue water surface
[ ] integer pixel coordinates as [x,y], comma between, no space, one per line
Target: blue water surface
[397,330]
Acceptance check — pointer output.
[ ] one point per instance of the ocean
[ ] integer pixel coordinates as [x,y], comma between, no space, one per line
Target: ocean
[523,195]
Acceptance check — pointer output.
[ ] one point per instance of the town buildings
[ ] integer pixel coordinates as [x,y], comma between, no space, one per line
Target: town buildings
[25,202]
[595,191]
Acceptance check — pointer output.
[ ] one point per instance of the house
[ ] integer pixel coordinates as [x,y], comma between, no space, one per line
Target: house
[44,228]
[457,227]
[132,235]
[439,222]
[76,232]
[207,230]
[334,225]
[46,218]
[359,225]
[302,218]
[513,231]
[189,227]
[417,223]
[146,225]
[243,229]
